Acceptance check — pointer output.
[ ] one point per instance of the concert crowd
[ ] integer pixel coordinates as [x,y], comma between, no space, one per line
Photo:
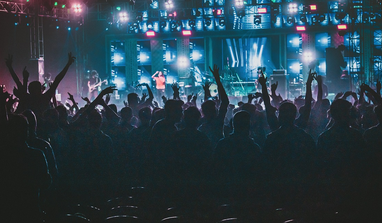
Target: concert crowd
[265,159]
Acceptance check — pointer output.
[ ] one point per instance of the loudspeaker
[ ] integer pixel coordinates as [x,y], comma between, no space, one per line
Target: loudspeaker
[281,77]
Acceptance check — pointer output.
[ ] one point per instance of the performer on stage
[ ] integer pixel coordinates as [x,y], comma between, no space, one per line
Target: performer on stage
[160,82]
[94,85]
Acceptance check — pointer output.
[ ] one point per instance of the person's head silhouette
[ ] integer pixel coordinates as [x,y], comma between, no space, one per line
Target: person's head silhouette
[94,119]
[287,114]
[209,109]
[145,115]
[378,112]
[173,110]
[126,114]
[132,99]
[191,117]
[340,111]
[241,122]
[35,88]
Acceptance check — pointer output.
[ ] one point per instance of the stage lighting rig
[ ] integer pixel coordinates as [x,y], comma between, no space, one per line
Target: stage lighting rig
[192,23]
[222,22]
[239,3]
[293,8]
[207,22]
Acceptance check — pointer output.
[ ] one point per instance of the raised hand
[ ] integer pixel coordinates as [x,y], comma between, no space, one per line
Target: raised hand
[250,97]
[319,79]
[206,86]
[258,95]
[108,90]
[215,72]
[310,77]
[274,86]
[164,99]
[25,73]
[189,97]
[262,80]
[71,58]
[338,95]
[175,87]
[86,99]
[125,103]
[144,96]
[71,98]
[156,104]
[9,60]
[194,98]
[107,99]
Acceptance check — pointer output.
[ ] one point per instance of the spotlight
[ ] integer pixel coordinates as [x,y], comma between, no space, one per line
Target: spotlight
[308,56]
[150,33]
[123,17]
[169,4]
[300,28]
[162,24]
[239,3]
[303,18]
[77,8]
[290,19]
[221,22]
[207,22]
[150,24]
[292,8]
[342,29]
[240,13]
[340,15]
[192,23]
[261,10]
[186,32]
[257,20]
[313,7]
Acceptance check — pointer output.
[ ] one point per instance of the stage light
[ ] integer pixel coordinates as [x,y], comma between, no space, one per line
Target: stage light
[69,28]
[183,62]
[186,32]
[150,33]
[123,17]
[303,18]
[261,10]
[207,22]
[221,22]
[169,4]
[162,24]
[239,3]
[290,19]
[240,13]
[117,58]
[342,27]
[192,23]
[257,20]
[308,56]
[55,3]
[313,7]
[63,6]
[292,8]
[340,15]
[77,8]
[57,27]
[118,8]
[300,28]
[150,24]
[217,12]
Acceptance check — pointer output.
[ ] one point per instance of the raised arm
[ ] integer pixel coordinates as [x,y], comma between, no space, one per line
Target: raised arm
[302,121]
[25,79]
[155,74]
[8,62]
[269,109]
[71,98]
[221,91]
[61,75]
[175,87]
[207,92]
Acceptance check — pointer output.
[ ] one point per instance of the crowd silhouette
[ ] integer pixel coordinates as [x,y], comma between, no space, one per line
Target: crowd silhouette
[267,159]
